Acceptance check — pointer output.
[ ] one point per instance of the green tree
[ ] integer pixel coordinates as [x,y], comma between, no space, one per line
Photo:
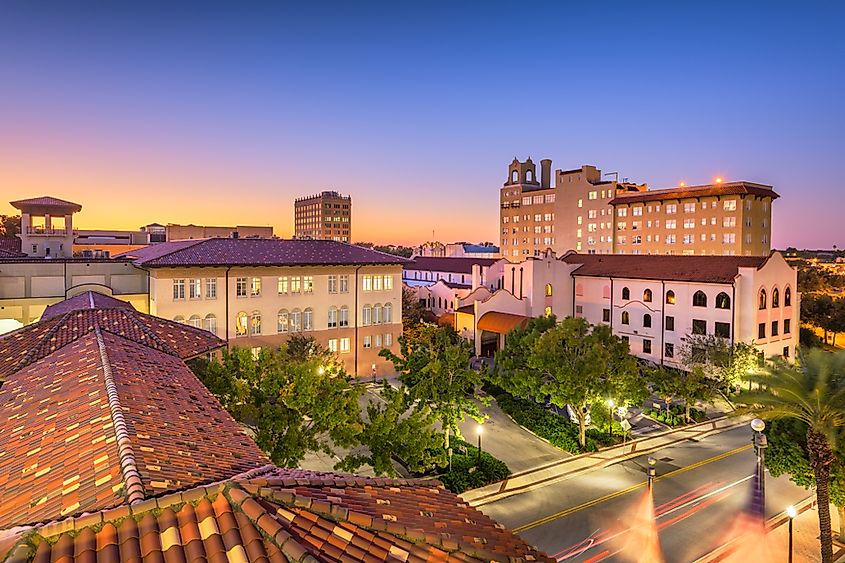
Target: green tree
[10,225]
[715,358]
[813,392]
[292,404]
[392,430]
[412,310]
[511,366]
[433,364]
[578,365]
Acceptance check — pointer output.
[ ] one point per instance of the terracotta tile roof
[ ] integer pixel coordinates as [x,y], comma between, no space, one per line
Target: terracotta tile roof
[105,418]
[456,265]
[46,201]
[85,300]
[501,323]
[728,188]
[26,345]
[257,252]
[707,269]
[278,516]
[10,247]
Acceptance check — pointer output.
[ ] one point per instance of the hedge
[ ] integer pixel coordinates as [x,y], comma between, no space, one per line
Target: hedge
[467,473]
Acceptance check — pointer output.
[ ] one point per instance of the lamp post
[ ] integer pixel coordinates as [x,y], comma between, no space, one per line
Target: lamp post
[610,424]
[652,472]
[792,513]
[760,445]
[479,430]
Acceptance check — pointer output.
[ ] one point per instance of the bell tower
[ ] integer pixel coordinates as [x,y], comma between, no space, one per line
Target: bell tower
[522,173]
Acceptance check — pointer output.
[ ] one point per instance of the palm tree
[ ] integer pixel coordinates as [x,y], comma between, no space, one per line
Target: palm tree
[812,391]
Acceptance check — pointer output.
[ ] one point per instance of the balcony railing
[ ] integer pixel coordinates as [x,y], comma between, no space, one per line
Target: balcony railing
[48,232]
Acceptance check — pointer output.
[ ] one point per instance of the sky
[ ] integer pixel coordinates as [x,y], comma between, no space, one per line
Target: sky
[224,113]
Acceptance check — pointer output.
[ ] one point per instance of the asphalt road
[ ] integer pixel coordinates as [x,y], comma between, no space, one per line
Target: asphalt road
[605,515]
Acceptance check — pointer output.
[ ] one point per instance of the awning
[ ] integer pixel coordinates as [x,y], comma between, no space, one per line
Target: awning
[501,323]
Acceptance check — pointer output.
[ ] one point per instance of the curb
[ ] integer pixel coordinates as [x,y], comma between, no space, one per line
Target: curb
[497,491]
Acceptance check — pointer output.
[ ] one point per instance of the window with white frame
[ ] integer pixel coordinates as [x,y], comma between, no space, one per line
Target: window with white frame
[729,205]
[689,208]
[307,284]
[367,315]
[671,208]
[255,323]
[728,238]
[368,341]
[211,288]
[308,319]
[283,320]
[210,323]
[195,289]
[344,283]
[671,224]
[388,282]
[367,282]
[296,320]
[333,345]
[295,284]
[729,221]
[376,314]
[333,314]
[255,286]
[178,289]
[283,285]
[195,321]
[622,212]
[344,345]
[377,283]
[378,340]
[241,324]
[388,340]
[332,283]
[344,316]
[387,313]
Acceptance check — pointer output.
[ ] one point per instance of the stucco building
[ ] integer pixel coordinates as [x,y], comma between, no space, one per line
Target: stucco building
[187,232]
[258,292]
[324,216]
[586,212]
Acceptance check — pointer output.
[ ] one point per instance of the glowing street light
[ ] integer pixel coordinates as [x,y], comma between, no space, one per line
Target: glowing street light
[760,445]
[792,513]
[479,430]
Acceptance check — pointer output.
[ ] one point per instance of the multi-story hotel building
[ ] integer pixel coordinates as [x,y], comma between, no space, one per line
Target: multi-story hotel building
[653,302]
[585,213]
[258,292]
[325,216]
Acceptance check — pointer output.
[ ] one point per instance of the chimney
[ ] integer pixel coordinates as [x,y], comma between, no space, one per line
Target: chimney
[476,276]
[546,173]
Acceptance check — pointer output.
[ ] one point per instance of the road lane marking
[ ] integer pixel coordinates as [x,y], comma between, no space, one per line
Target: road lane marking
[625,491]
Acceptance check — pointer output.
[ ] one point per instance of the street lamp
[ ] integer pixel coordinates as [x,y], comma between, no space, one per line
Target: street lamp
[792,513]
[760,445]
[479,429]
[652,472]
[610,424]
[321,370]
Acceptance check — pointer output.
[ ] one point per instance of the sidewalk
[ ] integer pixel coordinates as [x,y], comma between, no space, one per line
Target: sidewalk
[805,539]
[576,465]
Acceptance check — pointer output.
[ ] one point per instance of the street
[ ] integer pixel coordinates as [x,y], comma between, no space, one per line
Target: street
[700,491]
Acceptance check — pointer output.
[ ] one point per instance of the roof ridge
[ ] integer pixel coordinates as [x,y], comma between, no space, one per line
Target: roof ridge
[167,348]
[131,476]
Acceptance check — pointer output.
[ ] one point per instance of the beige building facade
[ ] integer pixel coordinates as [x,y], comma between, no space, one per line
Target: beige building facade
[324,216]
[585,212]
[188,232]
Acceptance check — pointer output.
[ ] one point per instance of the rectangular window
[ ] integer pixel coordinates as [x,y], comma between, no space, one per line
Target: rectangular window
[368,341]
[388,282]
[526,200]
[605,315]
[669,350]
[646,346]
[283,285]
[593,195]
[344,283]
[344,316]
[689,223]
[195,289]
[332,284]
[255,287]
[333,345]
[670,323]
[367,283]
[761,330]
[178,289]
[774,328]
[689,208]
[728,238]
[786,351]
[241,287]
[671,224]
[671,208]
[388,340]
[729,221]
[307,284]
[211,288]
[537,199]
[344,345]
[378,341]
[723,330]
[295,284]
[333,317]
[637,211]
[377,283]
[787,325]
[729,204]
[699,326]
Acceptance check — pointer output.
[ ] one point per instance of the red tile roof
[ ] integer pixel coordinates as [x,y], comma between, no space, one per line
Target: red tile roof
[707,269]
[46,201]
[85,300]
[729,188]
[282,515]
[257,252]
[10,247]
[456,265]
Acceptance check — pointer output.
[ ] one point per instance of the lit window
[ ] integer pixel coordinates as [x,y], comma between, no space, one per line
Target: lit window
[344,345]
[255,323]
[282,323]
[367,283]
[241,324]
[283,285]
[255,287]
[295,284]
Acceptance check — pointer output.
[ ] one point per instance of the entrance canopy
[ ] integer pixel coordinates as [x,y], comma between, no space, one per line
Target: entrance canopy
[501,323]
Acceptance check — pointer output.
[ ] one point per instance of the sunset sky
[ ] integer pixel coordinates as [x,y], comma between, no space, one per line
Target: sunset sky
[224,113]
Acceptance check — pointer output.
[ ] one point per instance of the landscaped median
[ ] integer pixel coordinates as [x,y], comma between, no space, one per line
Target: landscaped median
[469,471]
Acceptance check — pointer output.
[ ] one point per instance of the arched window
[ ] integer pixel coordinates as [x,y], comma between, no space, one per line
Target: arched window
[787,297]
[549,289]
[377,314]
[195,321]
[241,324]
[548,311]
[308,319]
[514,177]
[367,315]
[605,292]
[775,298]
[179,319]
[283,321]
[388,313]
[529,176]
[439,302]
[255,323]
[210,323]
[647,320]
[670,297]
[296,320]
[626,318]
[761,300]
[647,296]
[344,316]
[332,317]
[699,299]
[626,293]
[723,301]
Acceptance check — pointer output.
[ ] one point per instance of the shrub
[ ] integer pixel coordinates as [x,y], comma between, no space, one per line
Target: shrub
[463,477]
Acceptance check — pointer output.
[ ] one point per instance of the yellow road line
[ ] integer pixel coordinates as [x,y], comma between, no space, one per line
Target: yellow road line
[621,492]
